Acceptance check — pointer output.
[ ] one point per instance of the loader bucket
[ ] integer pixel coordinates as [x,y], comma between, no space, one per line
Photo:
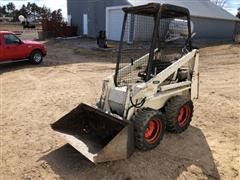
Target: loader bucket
[97,135]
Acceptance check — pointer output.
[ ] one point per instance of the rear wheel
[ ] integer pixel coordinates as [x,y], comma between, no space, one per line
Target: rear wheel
[149,128]
[179,110]
[36,57]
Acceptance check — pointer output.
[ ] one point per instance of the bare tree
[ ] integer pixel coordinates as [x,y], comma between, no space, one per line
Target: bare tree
[220,3]
[238,14]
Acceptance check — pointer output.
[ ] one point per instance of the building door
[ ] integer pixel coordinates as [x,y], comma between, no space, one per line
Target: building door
[85,24]
[114,22]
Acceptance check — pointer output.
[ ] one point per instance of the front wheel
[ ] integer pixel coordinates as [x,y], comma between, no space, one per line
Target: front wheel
[149,128]
[36,57]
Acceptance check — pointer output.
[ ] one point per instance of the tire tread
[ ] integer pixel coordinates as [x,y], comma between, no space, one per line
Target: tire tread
[140,120]
[172,110]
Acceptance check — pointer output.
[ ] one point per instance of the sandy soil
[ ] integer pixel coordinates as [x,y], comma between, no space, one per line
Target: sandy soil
[33,97]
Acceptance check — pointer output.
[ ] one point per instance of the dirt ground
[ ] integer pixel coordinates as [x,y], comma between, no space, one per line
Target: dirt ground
[14,26]
[33,97]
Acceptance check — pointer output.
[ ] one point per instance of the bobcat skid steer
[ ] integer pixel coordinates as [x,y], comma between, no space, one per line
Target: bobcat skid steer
[151,90]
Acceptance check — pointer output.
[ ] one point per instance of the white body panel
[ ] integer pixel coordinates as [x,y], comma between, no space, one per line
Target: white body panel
[154,92]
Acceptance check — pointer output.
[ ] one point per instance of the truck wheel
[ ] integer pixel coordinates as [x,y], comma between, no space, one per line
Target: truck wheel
[36,57]
[179,111]
[149,128]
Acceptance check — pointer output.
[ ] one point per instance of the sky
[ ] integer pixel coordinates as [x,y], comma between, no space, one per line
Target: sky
[231,5]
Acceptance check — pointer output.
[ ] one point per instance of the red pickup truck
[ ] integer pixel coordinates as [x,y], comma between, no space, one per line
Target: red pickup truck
[13,49]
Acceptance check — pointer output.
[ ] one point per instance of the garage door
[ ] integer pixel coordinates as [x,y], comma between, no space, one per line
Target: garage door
[114,23]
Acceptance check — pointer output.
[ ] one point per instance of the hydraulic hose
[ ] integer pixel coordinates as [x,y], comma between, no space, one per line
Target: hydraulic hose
[137,105]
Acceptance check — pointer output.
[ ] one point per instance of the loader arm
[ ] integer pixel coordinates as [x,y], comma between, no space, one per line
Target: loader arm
[157,94]
[155,83]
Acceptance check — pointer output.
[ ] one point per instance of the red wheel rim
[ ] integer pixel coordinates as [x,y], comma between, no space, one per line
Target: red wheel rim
[184,115]
[153,131]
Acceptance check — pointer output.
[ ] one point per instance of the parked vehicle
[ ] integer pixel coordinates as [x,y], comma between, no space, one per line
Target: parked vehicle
[13,49]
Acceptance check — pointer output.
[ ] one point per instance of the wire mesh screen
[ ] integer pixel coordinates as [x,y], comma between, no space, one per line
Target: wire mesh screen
[134,59]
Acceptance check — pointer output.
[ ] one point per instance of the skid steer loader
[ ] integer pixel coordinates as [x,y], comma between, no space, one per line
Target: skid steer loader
[145,96]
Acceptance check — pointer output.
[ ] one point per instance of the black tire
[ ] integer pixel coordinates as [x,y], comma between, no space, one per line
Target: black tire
[179,111]
[36,57]
[144,138]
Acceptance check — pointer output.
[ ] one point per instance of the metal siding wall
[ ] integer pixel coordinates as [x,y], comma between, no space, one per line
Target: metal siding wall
[213,28]
[99,17]
[77,9]
[80,7]
[90,11]
[96,11]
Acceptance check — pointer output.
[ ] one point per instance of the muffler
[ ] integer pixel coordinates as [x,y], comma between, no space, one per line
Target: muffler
[97,135]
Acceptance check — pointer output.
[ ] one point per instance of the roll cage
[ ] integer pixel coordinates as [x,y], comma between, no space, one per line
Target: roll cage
[158,12]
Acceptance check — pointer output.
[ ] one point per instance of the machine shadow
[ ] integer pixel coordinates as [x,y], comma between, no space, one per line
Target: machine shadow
[184,155]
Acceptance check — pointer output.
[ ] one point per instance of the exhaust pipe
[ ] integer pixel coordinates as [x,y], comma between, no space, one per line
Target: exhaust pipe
[97,135]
